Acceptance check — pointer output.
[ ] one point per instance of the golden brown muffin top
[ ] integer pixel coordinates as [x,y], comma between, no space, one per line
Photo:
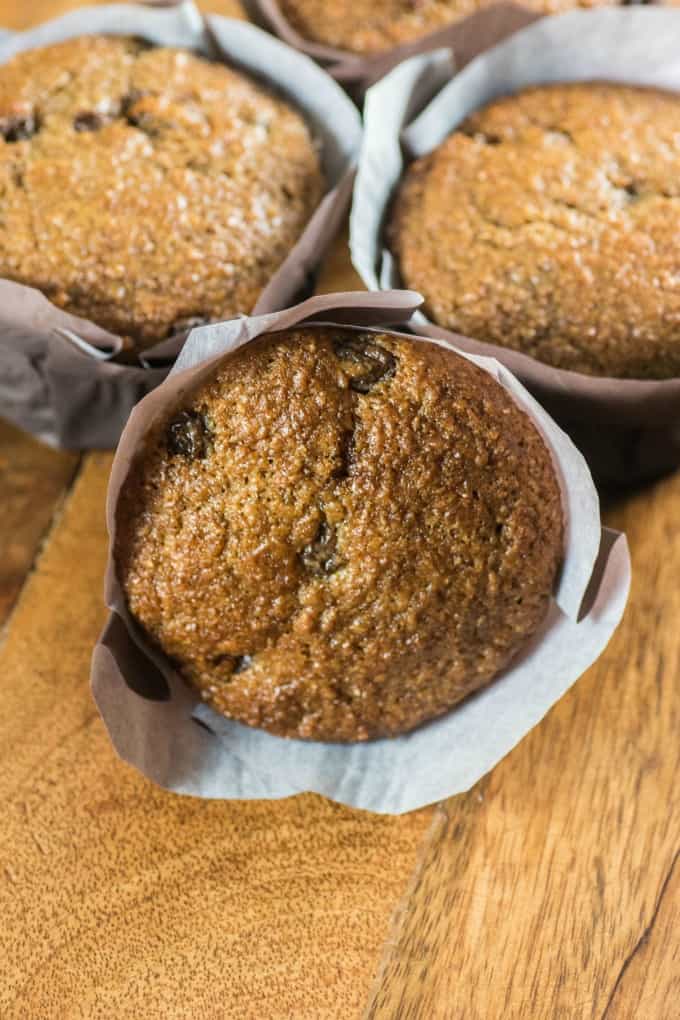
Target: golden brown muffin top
[143,187]
[341,534]
[370,26]
[549,222]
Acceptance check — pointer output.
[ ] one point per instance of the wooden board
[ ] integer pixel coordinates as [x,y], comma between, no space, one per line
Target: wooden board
[120,900]
[33,479]
[551,890]
[18,14]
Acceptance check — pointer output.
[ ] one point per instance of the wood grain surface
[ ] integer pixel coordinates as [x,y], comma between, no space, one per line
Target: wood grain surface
[32,482]
[18,14]
[550,891]
[560,868]
[119,900]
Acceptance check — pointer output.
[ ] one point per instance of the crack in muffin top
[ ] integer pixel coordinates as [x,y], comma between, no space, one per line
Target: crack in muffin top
[145,188]
[338,562]
[549,222]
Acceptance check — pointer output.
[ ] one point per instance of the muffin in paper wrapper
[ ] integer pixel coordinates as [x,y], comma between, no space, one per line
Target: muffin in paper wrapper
[60,376]
[465,38]
[158,723]
[628,429]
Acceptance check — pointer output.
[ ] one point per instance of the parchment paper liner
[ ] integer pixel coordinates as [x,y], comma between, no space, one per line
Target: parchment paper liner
[59,377]
[628,429]
[159,725]
[465,38]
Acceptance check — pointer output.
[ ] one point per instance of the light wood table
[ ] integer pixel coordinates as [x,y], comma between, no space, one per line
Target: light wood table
[550,892]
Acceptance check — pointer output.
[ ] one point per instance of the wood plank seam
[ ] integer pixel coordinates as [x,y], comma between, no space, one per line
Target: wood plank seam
[445,822]
[435,832]
[644,938]
[52,524]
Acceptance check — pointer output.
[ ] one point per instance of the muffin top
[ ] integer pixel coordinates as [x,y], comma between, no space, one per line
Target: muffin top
[370,26]
[341,534]
[549,223]
[147,188]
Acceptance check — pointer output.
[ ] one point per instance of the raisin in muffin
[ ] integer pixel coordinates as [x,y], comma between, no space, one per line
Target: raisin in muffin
[371,26]
[549,223]
[341,534]
[147,188]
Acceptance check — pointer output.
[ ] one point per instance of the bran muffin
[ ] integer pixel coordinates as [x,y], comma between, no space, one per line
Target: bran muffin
[548,222]
[147,189]
[371,26]
[340,534]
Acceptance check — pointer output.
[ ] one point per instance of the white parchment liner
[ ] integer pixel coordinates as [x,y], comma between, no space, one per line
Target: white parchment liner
[628,428]
[59,377]
[158,724]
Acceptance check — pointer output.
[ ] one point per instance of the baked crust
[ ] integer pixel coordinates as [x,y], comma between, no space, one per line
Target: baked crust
[147,189]
[549,223]
[341,534]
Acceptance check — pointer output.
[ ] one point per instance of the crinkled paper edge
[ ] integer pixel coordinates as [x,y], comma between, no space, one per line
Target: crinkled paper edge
[157,723]
[59,378]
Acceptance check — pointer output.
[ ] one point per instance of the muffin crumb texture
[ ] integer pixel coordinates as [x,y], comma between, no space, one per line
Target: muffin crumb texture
[147,189]
[370,26]
[549,223]
[341,534]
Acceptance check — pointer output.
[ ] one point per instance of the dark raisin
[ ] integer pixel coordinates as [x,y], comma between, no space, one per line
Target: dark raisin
[19,128]
[378,363]
[240,663]
[128,101]
[345,455]
[144,122]
[219,660]
[321,557]
[187,324]
[141,119]
[483,137]
[188,436]
[89,121]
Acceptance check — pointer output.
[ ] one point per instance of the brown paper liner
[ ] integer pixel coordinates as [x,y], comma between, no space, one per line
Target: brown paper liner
[629,430]
[60,377]
[157,722]
[465,38]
